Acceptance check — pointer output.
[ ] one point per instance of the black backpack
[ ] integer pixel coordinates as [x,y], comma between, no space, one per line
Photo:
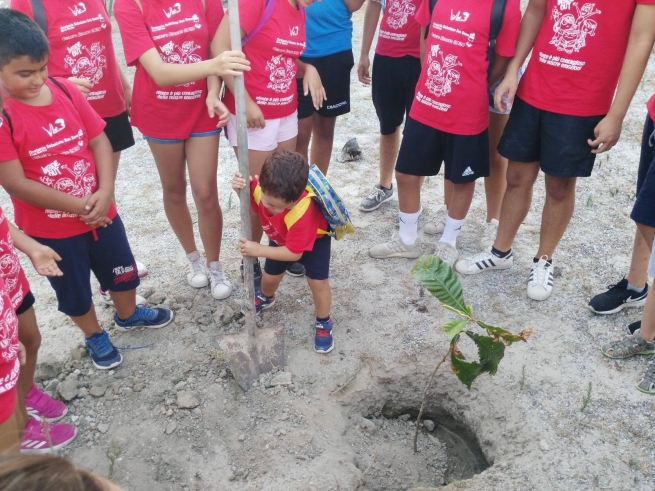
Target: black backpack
[496,23]
[39,15]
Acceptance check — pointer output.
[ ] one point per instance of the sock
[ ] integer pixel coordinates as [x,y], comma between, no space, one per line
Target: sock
[536,260]
[408,227]
[451,230]
[193,256]
[321,319]
[215,265]
[387,189]
[635,289]
[500,254]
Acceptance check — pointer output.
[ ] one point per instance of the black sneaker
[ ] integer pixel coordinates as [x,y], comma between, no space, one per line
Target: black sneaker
[258,274]
[296,269]
[616,298]
[633,327]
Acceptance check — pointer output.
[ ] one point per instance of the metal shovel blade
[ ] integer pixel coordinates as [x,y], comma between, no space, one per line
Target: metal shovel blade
[249,357]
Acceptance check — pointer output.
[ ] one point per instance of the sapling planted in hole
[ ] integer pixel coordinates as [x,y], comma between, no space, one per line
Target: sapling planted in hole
[442,282]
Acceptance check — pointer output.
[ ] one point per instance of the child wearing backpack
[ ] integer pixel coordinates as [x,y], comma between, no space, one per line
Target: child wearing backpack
[297,231]
[56,164]
[449,118]
[168,43]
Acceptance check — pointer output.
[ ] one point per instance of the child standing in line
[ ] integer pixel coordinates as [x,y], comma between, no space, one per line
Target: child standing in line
[169,45]
[449,118]
[56,164]
[297,232]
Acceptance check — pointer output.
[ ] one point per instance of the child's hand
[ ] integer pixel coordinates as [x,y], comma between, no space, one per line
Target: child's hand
[22,354]
[312,84]
[230,63]
[84,85]
[216,107]
[505,92]
[97,207]
[44,260]
[249,247]
[254,115]
[238,182]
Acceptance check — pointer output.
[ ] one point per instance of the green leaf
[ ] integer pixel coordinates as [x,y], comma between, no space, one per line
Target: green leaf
[466,372]
[507,336]
[490,350]
[440,280]
[454,327]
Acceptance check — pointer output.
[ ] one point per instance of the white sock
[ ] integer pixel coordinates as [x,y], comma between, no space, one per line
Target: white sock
[193,256]
[215,265]
[408,227]
[451,231]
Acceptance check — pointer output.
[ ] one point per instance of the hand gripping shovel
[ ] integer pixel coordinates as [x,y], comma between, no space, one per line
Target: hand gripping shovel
[253,351]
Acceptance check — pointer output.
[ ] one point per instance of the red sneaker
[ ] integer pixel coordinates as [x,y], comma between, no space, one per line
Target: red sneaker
[43,407]
[43,438]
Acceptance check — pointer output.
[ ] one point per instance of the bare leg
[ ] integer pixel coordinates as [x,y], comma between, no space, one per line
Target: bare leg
[409,192]
[89,322]
[389,145]
[557,213]
[202,162]
[516,202]
[447,192]
[125,303]
[323,140]
[304,136]
[270,283]
[171,164]
[322,294]
[648,318]
[460,200]
[638,274]
[495,184]
[10,435]
[29,335]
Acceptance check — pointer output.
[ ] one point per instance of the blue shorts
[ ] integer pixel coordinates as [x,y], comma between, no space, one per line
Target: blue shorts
[170,141]
[105,252]
[316,261]
[557,141]
[644,209]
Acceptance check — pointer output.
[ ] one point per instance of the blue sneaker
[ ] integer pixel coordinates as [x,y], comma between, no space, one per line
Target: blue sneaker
[153,318]
[323,341]
[102,351]
[262,302]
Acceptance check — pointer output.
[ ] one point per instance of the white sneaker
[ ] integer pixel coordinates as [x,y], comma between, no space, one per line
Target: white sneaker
[446,253]
[489,236]
[484,261]
[141,269]
[436,227]
[540,284]
[197,271]
[396,248]
[106,297]
[221,287]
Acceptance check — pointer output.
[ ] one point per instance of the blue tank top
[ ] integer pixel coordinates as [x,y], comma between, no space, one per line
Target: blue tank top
[329,28]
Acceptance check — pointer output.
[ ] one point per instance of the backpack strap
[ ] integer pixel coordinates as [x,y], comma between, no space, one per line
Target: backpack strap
[6,117]
[39,15]
[496,24]
[300,209]
[268,12]
[432,5]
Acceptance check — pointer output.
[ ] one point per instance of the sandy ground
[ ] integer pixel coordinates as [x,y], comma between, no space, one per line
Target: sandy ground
[172,418]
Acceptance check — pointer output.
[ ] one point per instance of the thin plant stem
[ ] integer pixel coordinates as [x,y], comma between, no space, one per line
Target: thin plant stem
[425,398]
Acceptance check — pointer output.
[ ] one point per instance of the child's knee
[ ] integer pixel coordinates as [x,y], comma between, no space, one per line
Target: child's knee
[29,334]
[319,285]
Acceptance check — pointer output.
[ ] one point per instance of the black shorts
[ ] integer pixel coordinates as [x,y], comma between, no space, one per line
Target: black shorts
[644,209]
[316,261]
[104,251]
[424,149]
[557,141]
[335,76]
[27,303]
[119,132]
[393,84]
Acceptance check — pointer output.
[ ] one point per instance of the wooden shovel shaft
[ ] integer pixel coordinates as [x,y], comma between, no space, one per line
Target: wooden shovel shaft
[244,166]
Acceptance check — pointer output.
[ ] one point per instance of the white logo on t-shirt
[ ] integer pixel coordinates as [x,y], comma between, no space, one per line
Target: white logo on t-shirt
[175,9]
[399,12]
[78,182]
[459,16]
[89,67]
[52,169]
[293,31]
[283,73]
[77,9]
[571,29]
[56,128]
[441,74]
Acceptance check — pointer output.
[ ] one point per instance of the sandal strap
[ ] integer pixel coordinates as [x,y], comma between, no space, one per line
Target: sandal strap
[626,347]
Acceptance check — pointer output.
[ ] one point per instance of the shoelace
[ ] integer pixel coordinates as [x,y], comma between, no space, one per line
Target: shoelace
[541,274]
[197,267]
[144,313]
[322,333]
[217,275]
[102,344]
[377,194]
[617,291]
[445,251]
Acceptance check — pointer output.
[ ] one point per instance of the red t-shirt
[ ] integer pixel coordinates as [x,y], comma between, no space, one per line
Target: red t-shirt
[451,94]
[9,364]
[577,56]
[399,34]
[309,224]
[272,53]
[651,107]
[81,46]
[181,33]
[11,271]
[52,144]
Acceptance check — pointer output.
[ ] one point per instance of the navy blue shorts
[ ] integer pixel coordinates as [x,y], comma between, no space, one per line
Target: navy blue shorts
[107,254]
[424,149]
[316,261]
[557,141]
[644,209]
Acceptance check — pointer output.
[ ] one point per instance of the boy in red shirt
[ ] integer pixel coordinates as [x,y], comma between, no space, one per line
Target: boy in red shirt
[297,232]
[449,117]
[56,163]
[564,112]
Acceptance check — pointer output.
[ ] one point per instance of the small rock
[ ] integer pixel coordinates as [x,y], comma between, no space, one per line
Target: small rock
[156,298]
[543,445]
[82,393]
[368,426]
[52,386]
[281,379]
[187,400]
[138,387]
[171,427]
[98,390]
[78,352]
[223,315]
[404,417]
[68,389]
[223,373]
[180,385]
[242,438]
[350,151]
[429,425]
[48,368]
[103,428]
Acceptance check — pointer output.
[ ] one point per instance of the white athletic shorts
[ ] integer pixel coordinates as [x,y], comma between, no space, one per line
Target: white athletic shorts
[267,138]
